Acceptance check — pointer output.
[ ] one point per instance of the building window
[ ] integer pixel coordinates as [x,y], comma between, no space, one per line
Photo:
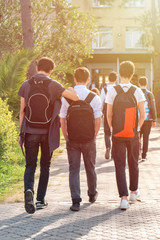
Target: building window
[53,5]
[134,38]
[102,3]
[135,3]
[103,39]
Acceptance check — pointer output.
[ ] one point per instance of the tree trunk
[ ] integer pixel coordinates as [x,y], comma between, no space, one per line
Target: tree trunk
[26,24]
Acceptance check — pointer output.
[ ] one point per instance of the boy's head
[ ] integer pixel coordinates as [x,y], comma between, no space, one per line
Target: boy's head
[81,75]
[45,65]
[126,69]
[143,81]
[112,77]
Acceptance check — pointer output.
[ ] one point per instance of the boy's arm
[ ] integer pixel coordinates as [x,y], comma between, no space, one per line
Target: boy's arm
[97,125]
[64,127]
[21,114]
[71,94]
[141,113]
[109,114]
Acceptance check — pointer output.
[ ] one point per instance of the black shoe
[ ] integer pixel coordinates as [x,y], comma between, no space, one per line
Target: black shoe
[75,207]
[41,205]
[93,198]
[29,204]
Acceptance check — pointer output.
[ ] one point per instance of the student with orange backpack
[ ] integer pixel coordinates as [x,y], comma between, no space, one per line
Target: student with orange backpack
[123,103]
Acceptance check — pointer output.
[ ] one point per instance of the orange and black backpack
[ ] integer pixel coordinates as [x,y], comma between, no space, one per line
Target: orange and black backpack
[125,114]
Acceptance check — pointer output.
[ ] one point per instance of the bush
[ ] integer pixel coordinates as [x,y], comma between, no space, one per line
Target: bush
[8,134]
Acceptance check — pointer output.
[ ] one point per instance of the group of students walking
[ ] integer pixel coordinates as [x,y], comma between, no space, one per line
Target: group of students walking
[81,111]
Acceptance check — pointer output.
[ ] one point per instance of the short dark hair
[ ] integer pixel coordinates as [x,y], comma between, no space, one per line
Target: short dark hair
[45,64]
[112,76]
[81,74]
[143,81]
[126,69]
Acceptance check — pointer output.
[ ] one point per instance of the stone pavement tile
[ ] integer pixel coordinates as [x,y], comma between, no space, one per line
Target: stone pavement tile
[102,220]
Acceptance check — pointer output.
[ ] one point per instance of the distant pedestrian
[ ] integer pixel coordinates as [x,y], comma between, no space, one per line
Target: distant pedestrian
[39,125]
[150,117]
[80,122]
[107,131]
[123,103]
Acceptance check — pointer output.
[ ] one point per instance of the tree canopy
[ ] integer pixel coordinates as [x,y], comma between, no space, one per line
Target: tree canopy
[60,31]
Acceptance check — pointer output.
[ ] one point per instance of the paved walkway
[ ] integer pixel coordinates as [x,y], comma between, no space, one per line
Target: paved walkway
[102,220]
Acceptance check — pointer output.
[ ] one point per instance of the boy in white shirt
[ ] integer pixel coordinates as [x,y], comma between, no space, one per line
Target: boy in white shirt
[77,145]
[127,138]
[107,133]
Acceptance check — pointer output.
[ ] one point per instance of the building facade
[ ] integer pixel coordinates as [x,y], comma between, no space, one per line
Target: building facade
[118,38]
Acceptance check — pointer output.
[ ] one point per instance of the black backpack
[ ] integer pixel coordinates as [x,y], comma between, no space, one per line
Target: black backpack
[38,110]
[80,120]
[125,114]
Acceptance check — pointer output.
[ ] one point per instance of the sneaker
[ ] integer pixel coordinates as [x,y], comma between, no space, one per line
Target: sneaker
[29,204]
[124,204]
[93,198]
[107,154]
[75,207]
[144,159]
[41,205]
[134,196]
[139,158]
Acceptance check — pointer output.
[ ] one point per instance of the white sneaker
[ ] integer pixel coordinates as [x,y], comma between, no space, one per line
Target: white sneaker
[134,196]
[144,159]
[124,204]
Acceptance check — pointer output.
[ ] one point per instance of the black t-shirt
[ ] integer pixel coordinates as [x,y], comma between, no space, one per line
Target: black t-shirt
[55,90]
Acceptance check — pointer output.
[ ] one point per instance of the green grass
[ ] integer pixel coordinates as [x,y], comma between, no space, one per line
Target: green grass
[11,174]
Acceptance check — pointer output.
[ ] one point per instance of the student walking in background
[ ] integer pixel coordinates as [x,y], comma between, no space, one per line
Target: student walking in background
[107,131]
[80,123]
[123,103]
[150,117]
[39,125]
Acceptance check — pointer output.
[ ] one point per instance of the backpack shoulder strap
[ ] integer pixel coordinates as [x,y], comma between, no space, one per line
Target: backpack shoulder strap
[148,96]
[69,101]
[105,90]
[118,89]
[132,90]
[90,96]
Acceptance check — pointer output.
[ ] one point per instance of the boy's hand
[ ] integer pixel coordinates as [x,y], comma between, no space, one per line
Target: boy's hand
[71,89]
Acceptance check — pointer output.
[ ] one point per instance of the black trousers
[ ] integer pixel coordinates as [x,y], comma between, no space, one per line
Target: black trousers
[120,150]
[74,151]
[32,144]
[144,134]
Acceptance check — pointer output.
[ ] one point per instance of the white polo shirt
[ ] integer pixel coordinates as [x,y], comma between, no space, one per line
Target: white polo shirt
[83,92]
[111,94]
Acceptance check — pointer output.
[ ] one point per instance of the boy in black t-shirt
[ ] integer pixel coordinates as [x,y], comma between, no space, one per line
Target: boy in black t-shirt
[36,132]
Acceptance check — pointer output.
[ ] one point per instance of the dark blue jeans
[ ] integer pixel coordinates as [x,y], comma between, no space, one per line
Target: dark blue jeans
[145,132]
[120,148]
[74,151]
[32,144]
[107,133]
